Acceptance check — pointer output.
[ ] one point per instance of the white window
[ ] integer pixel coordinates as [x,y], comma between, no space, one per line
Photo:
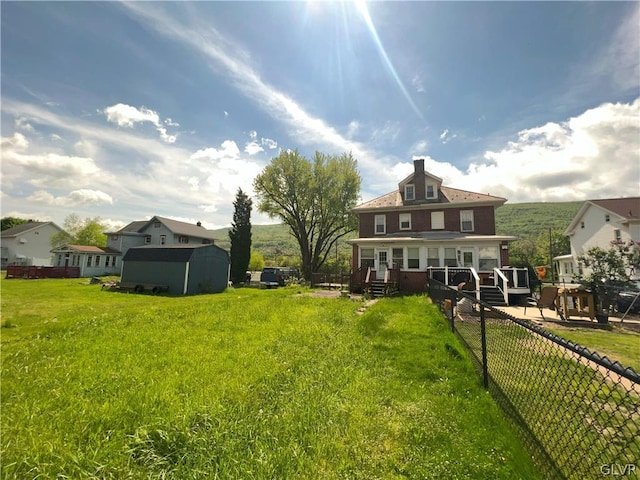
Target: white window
[89,259]
[431,191]
[466,221]
[398,258]
[450,257]
[433,257]
[413,257]
[366,258]
[617,235]
[106,261]
[156,224]
[437,220]
[409,192]
[163,239]
[147,239]
[183,239]
[97,260]
[405,221]
[381,224]
[488,258]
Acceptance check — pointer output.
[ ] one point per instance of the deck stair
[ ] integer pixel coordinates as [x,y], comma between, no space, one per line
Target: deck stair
[492,295]
[379,288]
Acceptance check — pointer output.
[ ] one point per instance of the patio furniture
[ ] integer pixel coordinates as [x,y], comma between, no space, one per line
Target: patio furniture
[547,299]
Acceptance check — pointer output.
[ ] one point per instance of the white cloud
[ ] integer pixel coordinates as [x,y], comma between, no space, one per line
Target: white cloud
[270,144]
[229,149]
[16,142]
[418,83]
[41,169]
[234,62]
[75,198]
[447,136]
[127,116]
[593,155]
[22,124]
[419,148]
[253,134]
[252,148]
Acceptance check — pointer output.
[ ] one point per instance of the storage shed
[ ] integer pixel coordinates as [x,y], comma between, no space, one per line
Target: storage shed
[178,269]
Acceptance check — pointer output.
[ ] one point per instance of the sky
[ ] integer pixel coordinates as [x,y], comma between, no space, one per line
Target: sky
[124,111]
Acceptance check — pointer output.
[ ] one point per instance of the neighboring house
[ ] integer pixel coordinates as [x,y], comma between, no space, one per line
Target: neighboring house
[28,244]
[177,269]
[92,261]
[599,223]
[158,231]
[425,226]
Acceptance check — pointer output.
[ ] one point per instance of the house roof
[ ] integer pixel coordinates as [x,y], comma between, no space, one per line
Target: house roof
[166,253]
[393,200]
[175,226]
[628,209]
[25,227]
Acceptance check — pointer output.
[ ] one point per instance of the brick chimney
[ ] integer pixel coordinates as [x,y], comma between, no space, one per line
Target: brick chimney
[418,178]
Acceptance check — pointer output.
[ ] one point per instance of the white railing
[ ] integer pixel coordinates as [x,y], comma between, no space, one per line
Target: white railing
[500,277]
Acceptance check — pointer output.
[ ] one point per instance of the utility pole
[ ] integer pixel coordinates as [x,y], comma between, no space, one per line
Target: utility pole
[551,259]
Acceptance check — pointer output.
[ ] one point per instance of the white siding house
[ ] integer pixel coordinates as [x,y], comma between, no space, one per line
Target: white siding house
[28,244]
[92,261]
[599,223]
[96,261]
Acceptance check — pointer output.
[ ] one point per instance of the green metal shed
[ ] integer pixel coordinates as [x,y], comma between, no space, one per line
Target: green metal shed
[183,269]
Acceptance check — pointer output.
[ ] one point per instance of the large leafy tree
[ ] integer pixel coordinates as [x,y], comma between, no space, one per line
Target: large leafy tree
[608,271]
[313,198]
[81,232]
[240,236]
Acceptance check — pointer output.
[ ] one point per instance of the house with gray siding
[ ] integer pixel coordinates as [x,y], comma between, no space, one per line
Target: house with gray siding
[160,231]
[28,244]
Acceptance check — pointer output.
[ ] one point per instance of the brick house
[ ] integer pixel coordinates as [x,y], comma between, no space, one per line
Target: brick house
[425,227]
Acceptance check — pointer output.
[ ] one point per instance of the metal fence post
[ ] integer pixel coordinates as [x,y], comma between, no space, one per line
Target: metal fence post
[483,336]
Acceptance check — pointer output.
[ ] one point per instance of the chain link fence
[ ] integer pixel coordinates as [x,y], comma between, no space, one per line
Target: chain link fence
[578,412]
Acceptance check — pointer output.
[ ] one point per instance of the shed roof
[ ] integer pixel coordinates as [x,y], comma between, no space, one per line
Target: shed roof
[165,253]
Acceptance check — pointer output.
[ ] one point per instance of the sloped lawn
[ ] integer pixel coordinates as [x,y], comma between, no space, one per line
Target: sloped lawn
[244,384]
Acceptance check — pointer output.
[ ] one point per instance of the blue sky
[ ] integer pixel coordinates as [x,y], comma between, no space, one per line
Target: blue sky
[129,110]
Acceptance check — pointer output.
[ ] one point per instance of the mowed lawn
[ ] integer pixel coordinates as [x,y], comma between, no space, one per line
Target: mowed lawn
[263,384]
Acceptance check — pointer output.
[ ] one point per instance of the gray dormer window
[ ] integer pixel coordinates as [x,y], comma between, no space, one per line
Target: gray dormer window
[409,192]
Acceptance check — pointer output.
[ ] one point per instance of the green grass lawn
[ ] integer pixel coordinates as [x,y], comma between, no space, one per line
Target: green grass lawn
[618,345]
[244,384]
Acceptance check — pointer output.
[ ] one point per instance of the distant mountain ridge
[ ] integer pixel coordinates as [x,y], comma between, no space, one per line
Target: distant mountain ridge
[522,220]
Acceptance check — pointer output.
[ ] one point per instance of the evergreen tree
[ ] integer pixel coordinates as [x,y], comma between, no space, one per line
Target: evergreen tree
[240,236]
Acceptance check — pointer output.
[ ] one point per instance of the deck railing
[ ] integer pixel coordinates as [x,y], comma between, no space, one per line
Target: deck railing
[576,411]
